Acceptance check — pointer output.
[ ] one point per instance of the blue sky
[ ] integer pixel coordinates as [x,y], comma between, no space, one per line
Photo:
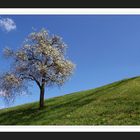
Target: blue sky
[104,48]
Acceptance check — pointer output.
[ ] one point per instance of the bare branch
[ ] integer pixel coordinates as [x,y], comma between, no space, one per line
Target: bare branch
[38,83]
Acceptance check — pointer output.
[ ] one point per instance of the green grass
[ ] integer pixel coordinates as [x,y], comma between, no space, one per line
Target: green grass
[114,104]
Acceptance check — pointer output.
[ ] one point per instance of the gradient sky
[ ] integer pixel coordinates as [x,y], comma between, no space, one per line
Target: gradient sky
[104,48]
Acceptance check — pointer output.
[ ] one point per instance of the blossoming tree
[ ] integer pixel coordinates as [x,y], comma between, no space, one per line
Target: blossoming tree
[42,60]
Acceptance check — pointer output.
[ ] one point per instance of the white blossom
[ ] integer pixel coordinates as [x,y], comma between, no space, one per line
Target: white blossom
[41,59]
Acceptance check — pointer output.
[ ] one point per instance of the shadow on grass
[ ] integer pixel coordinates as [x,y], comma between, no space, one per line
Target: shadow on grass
[31,114]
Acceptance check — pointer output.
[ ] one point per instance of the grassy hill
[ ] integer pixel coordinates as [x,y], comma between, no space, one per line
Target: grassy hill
[114,104]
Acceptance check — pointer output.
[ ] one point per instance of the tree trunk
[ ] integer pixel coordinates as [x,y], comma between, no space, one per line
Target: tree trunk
[42,91]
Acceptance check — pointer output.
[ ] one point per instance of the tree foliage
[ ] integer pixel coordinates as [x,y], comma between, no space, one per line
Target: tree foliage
[41,59]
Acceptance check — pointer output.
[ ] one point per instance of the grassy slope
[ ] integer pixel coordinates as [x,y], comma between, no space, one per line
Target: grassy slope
[114,104]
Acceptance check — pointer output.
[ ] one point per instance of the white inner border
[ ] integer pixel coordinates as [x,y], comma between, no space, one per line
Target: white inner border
[71,11]
[54,128]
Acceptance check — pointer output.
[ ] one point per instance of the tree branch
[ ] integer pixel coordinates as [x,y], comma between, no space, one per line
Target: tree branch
[31,77]
[38,83]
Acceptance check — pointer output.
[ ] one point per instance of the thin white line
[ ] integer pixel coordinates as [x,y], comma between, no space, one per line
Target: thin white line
[70,11]
[70,128]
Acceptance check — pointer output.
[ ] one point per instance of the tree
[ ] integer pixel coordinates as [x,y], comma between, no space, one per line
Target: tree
[41,59]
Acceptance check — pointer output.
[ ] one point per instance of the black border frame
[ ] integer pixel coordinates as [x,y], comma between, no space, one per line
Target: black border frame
[70,135]
[69,4]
